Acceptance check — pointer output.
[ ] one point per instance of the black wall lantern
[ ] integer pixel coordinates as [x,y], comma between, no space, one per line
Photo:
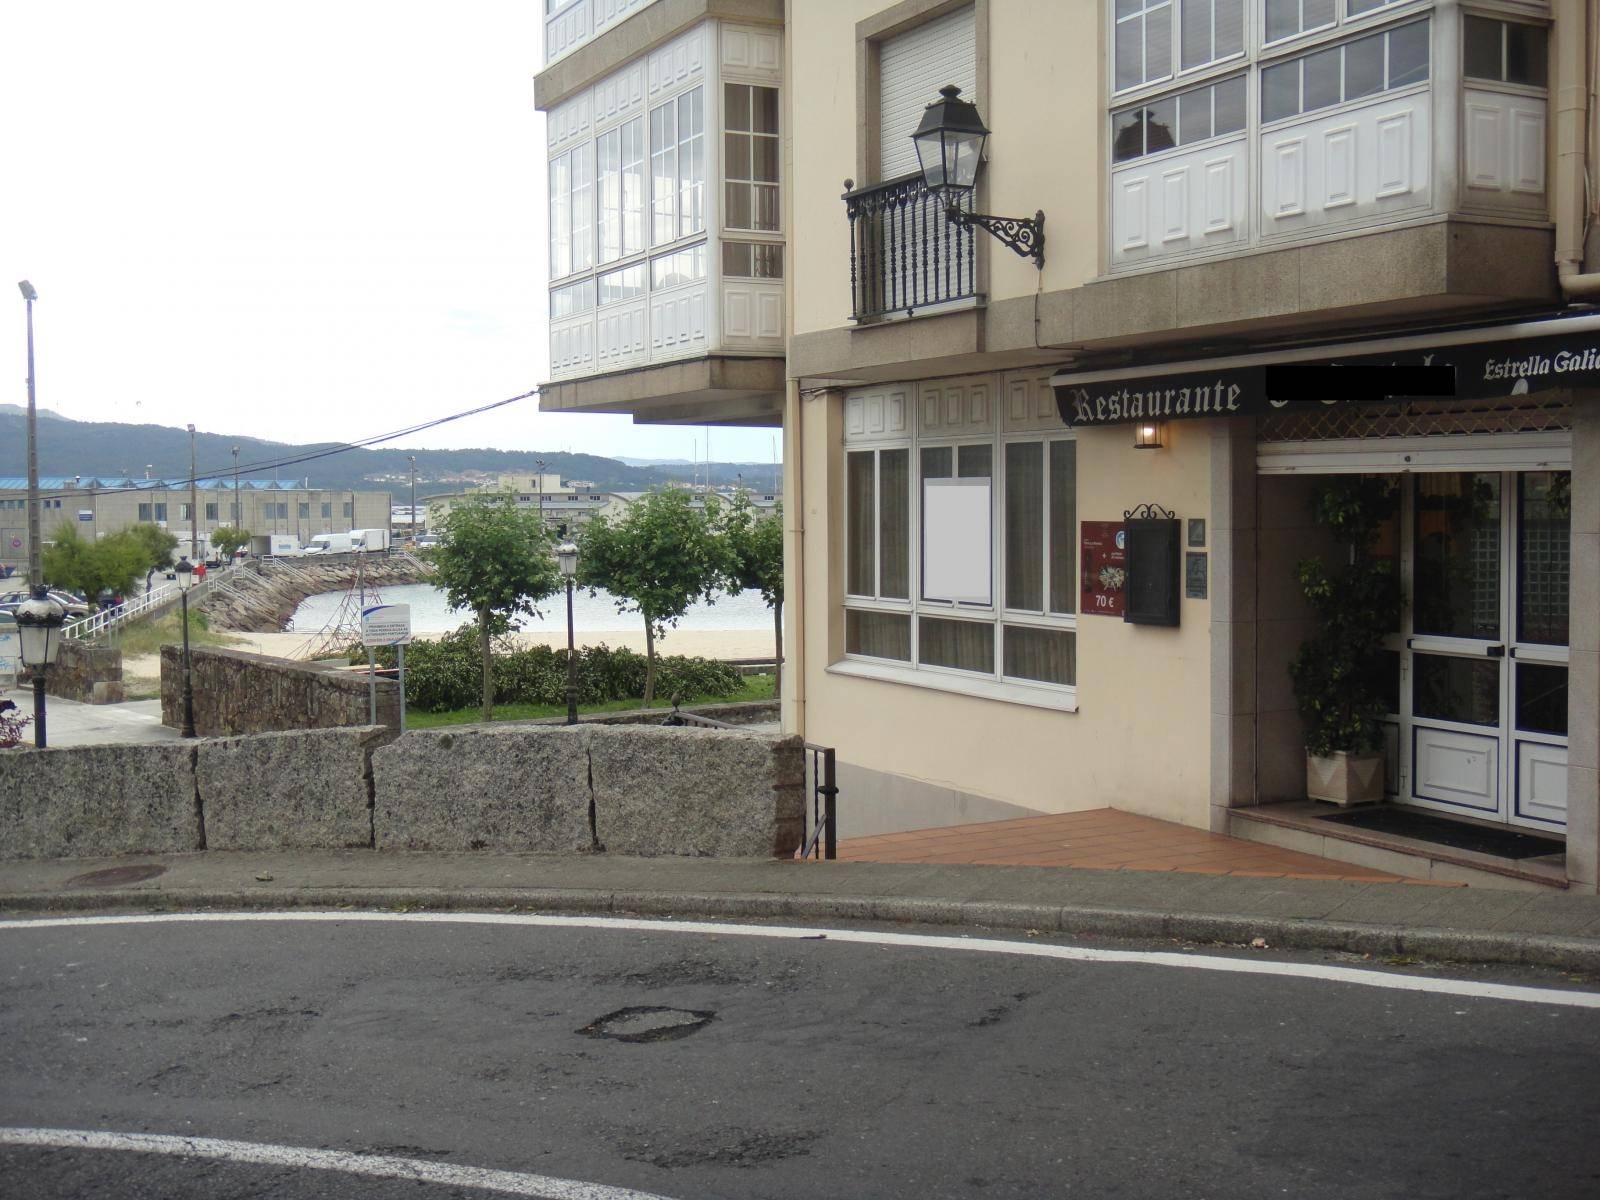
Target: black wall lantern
[1147,435]
[950,144]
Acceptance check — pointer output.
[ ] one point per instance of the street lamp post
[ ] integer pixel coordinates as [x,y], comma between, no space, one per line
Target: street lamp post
[238,504]
[412,459]
[567,557]
[185,574]
[35,547]
[39,621]
[194,502]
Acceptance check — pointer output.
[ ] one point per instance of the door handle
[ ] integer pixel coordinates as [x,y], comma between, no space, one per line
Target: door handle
[1495,651]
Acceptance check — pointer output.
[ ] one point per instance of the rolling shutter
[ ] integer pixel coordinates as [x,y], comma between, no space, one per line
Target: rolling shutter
[912,68]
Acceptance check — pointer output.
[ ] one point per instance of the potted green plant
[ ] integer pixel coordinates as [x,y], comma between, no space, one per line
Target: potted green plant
[1339,672]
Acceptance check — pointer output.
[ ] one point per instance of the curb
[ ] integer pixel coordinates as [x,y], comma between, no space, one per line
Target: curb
[1281,933]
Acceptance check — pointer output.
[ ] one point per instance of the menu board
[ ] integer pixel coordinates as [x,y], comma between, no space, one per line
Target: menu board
[1105,567]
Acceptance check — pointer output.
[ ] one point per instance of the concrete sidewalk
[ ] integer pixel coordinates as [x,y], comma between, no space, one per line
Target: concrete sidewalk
[1557,929]
[72,723]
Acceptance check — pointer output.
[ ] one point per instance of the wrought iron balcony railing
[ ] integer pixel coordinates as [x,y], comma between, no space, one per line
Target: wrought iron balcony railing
[905,254]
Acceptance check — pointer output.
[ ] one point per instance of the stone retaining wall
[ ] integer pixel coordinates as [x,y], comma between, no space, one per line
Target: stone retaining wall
[236,693]
[84,672]
[625,789]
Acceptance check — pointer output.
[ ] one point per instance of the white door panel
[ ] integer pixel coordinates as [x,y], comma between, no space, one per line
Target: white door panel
[1461,769]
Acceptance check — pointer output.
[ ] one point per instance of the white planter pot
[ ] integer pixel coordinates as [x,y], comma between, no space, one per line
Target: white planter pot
[1345,779]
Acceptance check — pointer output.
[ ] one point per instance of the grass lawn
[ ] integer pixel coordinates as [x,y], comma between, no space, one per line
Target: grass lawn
[756,688]
[139,638]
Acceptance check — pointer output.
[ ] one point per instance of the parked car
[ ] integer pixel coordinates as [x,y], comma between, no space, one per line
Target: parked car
[76,606]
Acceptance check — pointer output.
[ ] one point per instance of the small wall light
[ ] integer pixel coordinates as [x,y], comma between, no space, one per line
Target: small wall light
[1149,435]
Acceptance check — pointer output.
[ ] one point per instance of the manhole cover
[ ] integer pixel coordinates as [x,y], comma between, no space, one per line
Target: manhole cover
[112,876]
[648,1023]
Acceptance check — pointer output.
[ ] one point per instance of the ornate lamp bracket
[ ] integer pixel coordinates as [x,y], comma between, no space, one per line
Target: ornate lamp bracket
[1025,235]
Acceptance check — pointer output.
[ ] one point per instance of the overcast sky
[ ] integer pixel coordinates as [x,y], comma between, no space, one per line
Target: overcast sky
[306,220]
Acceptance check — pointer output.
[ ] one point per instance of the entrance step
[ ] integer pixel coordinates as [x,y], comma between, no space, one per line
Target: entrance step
[1298,825]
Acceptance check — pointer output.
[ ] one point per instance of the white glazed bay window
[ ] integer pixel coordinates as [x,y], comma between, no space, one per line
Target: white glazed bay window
[961,563]
[647,168]
[1267,119]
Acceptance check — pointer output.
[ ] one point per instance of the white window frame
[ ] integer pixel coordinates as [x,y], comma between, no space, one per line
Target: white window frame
[996,615]
[1215,62]
[1142,16]
[627,213]
[753,186]
[1304,31]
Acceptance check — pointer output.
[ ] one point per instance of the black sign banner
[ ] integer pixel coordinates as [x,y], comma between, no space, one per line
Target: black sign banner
[1482,370]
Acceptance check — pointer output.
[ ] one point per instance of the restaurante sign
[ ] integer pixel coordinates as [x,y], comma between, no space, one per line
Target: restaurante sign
[1413,369]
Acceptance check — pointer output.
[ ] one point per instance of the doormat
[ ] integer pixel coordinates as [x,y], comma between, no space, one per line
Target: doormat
[1405,822]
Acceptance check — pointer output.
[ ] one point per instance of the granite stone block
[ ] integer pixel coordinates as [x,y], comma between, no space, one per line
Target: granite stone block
[306,790]
[79,801]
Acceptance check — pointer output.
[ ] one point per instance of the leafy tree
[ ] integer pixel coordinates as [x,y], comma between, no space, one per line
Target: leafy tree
[228,539]
[495,559]
[156,544]
[756,542]
[109,564]
[657,559]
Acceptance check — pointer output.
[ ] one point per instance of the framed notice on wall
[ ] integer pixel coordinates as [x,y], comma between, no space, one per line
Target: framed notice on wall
[956,546]
[1105,568]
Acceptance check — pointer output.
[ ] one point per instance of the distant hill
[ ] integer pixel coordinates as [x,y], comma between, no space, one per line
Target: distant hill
[89,448]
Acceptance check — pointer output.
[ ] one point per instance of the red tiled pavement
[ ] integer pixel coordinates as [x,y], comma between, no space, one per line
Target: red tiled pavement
[1100,839]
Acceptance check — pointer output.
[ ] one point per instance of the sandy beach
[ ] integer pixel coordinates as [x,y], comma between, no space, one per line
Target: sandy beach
[144,673]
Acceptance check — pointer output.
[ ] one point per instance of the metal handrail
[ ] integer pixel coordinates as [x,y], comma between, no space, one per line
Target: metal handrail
[821,771]
[149,602]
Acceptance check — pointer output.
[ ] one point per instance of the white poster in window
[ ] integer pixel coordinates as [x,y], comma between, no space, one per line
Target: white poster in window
[956,540]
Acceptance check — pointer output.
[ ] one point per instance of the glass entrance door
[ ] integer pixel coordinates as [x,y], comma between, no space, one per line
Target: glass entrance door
[1482,721]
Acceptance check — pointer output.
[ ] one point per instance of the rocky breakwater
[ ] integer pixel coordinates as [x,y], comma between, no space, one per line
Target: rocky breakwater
[263,598]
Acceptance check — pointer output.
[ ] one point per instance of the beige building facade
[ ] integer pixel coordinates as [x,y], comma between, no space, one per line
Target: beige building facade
[981,449]
[96,507]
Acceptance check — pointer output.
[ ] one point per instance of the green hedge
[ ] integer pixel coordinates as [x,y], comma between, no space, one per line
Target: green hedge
[445,674]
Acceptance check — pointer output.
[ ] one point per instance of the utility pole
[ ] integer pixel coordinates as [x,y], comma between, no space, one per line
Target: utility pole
[238,504]
[194,503]
[412,459]
[35,547]
[539,463]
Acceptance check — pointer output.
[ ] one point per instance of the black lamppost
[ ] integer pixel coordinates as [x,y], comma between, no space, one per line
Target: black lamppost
[950,144]
[35,544]
[185,573]
[567,557]
[412,459]
[39,621]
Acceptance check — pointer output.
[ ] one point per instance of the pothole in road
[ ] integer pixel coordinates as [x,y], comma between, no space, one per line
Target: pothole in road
[648,1023]
[113,876]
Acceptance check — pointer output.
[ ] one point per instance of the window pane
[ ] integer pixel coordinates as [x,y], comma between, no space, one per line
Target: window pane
[1048,655]
[975,462]
[1408,54]
[1127,134]
[1230,105]
[633,153]
[881,635]
[664,173]
[610,150]
[1544,556]
[582,207]
[1229,28]
[1357,7]
[861,479]
[1363,67]
[736,155]
[1480,39]
[937,462]
[766,196]
[1542,698]
[1280,91]
[736,259]
[1130,52]
[1283,18]
[1526,55]
[1318,13]
[1063,527]
[768,261]
[1161,124]
[1322,79]
[1025,526]
[764,159]
[1194,116]
[1158,43]
[736,101]
[1457,538]
[963,645]
[894,524]
[1196,44]
[737,202]
[1457,689]
[764,109]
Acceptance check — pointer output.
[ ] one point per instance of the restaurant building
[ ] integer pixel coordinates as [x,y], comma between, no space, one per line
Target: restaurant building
[1051,440]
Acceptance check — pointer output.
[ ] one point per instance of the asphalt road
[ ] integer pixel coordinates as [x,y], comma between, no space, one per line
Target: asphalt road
[784,1068]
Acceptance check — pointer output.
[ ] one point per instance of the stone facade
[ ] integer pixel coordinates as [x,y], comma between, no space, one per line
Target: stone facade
[83,672]
[236,692]
[309,790]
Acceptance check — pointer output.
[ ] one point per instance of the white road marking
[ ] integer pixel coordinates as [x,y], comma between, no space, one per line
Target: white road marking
[920,941]
[510,1183]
